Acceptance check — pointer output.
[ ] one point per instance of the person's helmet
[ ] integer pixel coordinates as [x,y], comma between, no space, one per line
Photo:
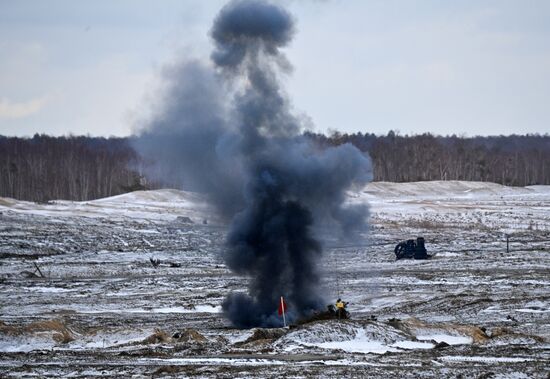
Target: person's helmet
[339,300]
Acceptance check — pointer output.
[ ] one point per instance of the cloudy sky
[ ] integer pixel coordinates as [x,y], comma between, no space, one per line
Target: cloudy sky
[473,67]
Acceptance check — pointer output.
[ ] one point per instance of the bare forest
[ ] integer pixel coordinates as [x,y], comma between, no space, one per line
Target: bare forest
[44,168]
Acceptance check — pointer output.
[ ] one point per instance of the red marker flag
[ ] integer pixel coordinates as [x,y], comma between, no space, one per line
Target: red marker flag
[282,306]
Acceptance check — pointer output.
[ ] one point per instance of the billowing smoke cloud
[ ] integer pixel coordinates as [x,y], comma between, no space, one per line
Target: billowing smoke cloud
[227,130]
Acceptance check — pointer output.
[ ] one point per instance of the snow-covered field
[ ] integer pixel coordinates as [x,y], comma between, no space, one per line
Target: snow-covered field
[98,307]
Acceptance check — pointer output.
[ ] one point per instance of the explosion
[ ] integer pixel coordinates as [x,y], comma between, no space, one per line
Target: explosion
[226,129]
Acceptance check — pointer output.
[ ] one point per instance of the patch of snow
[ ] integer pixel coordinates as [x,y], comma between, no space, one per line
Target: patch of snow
[375,338]
[211,361]
[482,359]
[410,345]
[25,345]
[46,289]
[105,341]
[512,375]
[360,344]
[447,254]
[447,338]
[239,336]
[530,310]
[349,362]
[441,189]
[196,309]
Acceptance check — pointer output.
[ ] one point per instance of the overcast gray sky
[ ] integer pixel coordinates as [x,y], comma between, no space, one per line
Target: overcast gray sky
[465,67]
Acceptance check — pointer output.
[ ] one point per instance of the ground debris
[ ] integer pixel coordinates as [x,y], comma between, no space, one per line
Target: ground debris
[155,262]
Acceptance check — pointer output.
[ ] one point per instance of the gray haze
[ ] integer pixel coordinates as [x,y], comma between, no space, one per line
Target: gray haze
[473,67]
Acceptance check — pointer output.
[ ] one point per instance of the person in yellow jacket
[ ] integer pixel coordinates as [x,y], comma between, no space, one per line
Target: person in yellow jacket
[341,308]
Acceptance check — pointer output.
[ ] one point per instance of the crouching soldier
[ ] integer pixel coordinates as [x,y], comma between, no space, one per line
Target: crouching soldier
[341,308]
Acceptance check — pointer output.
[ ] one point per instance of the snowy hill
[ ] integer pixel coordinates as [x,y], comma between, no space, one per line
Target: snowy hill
[442,188]
[164,204]
[387,200]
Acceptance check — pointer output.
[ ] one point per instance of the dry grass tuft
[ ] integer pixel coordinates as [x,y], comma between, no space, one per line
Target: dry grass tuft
[60,332]
[190,335]
[159,336]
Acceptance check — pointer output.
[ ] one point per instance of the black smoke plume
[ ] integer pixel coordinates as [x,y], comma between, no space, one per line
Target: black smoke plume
[227,130]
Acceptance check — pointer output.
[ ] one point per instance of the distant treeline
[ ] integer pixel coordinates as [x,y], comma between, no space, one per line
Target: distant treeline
[516,160]
[43,168]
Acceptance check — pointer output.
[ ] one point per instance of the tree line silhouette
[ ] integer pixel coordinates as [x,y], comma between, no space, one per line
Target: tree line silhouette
[44,168]
[515,160]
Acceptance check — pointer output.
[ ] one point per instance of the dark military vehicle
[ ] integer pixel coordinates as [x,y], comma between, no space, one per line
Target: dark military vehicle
[411,249]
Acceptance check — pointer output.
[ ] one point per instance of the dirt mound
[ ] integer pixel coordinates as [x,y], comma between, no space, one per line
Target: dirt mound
[505,336]
[59,331]
[326,331]
[322,316]
[159,336]
[189,335]
[262,336]
[418,328]
[6,202]
[184,220]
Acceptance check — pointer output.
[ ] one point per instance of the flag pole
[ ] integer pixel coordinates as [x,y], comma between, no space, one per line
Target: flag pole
[283,308]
